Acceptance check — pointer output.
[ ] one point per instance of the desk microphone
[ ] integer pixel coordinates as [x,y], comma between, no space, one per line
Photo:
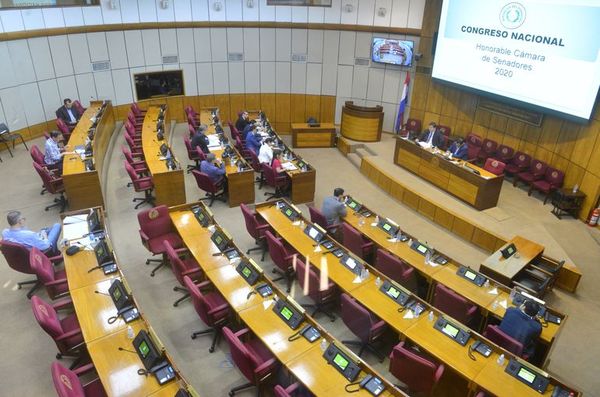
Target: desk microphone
[250,294]
[224,252]
[101,293]
[127,350]
[100,266]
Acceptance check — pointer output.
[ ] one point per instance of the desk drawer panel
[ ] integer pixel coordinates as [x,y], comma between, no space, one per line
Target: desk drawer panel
[408,160]
[434,174]
[462,189]
[313,139]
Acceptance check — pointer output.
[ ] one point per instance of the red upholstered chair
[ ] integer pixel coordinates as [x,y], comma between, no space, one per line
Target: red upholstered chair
[279,182]
[413,125]
[38,157]
[519,163]
[251,357]
[68,384]
[189,111]
[257,167]
[192,121]
[136,150]
[494,166]
[191,131]
[79,107]
[534,173]
[504,153]
[192,154]
[213,190]
[137,123]
[445,130]
[135,108]
[496,335]
[364,324]
[240,145]
[256,229]
[54,280]
[183,265]
[316,216]
[359,245]
[454,304]
[139,166]
[481,394]
[140,184]
[53,184]
[396,269]
[211,307]
[419,373]
[64,129]
[553,179]
[155,228]
[235,134]
[311,283]
[282,257]
[288,391]
[473,146]
[17,257]
[488,149]
[133,132]
[65,331]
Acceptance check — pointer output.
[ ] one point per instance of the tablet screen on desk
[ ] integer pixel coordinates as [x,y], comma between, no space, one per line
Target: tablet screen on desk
[246,271]
[387,227]
[286,313]
[451,330]
[288,212]
[470,275]
[422,249]
[393,292]
[340,361]
[351,263]
[526,375]
[144,349]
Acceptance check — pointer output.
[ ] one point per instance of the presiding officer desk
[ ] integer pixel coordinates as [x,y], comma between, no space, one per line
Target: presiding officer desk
[240,178]
[302,175]
[169,186]
[88,289]
[480,372]
[466,181]
[83,186]
[492,300]
[304,360]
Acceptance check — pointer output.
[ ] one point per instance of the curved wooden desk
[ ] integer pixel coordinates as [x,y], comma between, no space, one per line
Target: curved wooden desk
[361,123]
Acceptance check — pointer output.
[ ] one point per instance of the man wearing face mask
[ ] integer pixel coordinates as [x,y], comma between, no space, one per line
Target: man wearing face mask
[68,113]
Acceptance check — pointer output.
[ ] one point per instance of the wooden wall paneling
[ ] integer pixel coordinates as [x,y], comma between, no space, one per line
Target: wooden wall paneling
[429,117]
[222,102]
[590,185]
[462,228]
[253,102]
[462,127]
[206,101]
[443,218]
[484,240]
[36,131]
[397,191]
[566,139]
[550,133]
[586,140]
[495,135]
[267,105]
[411,199]
[450,103]
[313,107]
[542,155]
[327,109]
[482,117]
[425,44]
[511,141]
[515,128]
[528,147]
[282,113]
[418,114]
[560,163]
[531,134]
[175,106]
[594,164]
[498,122]
[419,93]
[427,209]
[435,97]
[480,130]
[466,107]
[298,108]
[237,103]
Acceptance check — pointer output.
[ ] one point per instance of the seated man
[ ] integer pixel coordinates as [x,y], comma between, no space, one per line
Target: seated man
[200,139]
[333,206]
[242,121]
[459,149]
[214,168]
[431,137]
[44,240]
[53,156]
[68,113]
[265,153]
[521,324]
[253,141]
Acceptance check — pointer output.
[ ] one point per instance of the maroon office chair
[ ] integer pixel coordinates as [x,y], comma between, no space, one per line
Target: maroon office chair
[488,149]
[289,391]
[212,190]
[419,373]
[192,154]
[139,166]
[240,145]
[140,184]
[252,358]
[445,130]
[481,394]
[137,123]
[396,269]
[257,167]
[504,153]
[38,157]
[211,307]
[494,166]
[354,241]
[201,155]
[534,173]
[17,257]
[68,384]
[519,163]
[235,134]
[316,216]
[191,121]
[453,304]
[155,228]
[79,107]
[64,129]
[136,150]
[133,132]
[553,180]
[272,179]
[312,282]
[191,131]
[135,108]
[183,264]
[53,184]
[412,127]
[364,324]
[54,280]
[189,111]
[256,229]
[282,257]
[473,147]
[65,331]
[496,335]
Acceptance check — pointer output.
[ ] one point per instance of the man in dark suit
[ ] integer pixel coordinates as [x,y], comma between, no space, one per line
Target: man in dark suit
[200,139]
[68,113]
[242,121]
[459,149]
[431,137]
[521,324]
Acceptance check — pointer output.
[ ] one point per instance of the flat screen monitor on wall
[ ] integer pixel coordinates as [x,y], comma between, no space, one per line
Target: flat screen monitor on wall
[395,52]
[158,84]
[539,54]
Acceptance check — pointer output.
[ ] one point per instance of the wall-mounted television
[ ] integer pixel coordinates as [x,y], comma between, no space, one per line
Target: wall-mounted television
[392,51]
[158,84]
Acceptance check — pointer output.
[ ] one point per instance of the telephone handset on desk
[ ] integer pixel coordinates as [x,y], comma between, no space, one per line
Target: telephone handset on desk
[371,383]
[309,332]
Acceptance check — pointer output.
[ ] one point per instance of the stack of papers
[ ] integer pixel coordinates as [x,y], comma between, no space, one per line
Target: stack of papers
[289,166]
[213,141]
[75,227]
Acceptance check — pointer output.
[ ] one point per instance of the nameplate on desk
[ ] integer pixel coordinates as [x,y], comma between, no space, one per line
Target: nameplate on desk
[397,293]
[471,275]
[527,375]
[452,331]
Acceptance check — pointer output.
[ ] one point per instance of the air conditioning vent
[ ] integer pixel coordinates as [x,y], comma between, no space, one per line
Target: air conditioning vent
[362,61]
[235,56]
[170,59]
[100,66]
[299,58]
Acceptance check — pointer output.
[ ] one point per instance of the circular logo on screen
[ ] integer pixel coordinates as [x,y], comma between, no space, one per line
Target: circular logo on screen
[512,15]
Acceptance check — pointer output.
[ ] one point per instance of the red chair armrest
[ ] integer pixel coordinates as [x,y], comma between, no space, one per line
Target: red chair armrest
[56,282]
[192,271]
[439,372]
[144,236]
[56,259]
[145,179]
[472,310]
[265,367]
[204,284]
[84,369]
[69,334]
[378,327]
[219,308]
[63,304]
[242,332]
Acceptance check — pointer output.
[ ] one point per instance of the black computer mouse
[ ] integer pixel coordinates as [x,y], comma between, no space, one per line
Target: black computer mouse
[72,250]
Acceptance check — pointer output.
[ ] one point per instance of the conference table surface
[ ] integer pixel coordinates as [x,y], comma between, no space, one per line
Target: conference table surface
[509,267]
[77,269]
[72,163]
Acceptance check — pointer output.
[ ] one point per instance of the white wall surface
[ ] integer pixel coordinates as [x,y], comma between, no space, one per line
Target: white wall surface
[37,73]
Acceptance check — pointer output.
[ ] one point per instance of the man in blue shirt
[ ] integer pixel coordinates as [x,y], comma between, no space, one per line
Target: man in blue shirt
[45,240]
[459,149]
[68,113]
[522,325]
[253,141]
[54,154]
[333,206]
[213,168]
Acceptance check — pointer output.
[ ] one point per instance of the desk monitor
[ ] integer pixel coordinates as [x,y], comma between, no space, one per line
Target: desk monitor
[164,149]
[249,271]
[119,295]
[103,254]
[289,211]
[201,216]
[146,350]
[388,226]
[395,292]
[352,264]
[314,232]
[353,204]
[220,239]
[288,313]
[529,376]
[508,251]
[452,331]
[93,221]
